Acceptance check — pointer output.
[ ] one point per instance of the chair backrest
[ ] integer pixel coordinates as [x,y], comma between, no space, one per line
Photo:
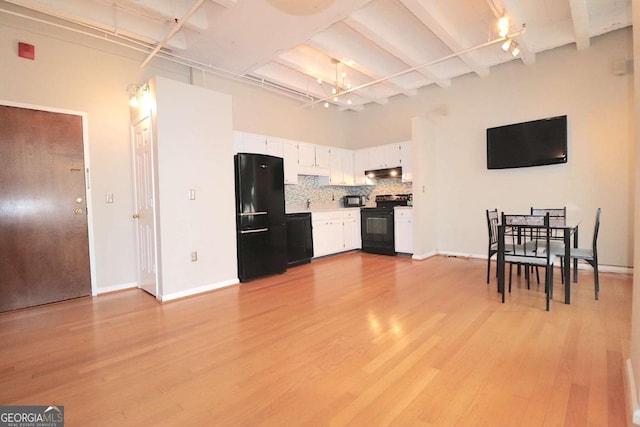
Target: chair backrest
[492,225]
[595,232]
[557,216]
[528,234]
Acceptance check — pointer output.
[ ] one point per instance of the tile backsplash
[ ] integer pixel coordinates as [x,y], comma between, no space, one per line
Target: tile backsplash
[327,197]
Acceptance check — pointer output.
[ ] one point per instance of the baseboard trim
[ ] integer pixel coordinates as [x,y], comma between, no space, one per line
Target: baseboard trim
[632,394]
[581,265]
[198,290]
[115,288]
[421,257]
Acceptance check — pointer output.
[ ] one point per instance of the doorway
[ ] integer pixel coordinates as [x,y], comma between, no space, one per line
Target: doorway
[44,234]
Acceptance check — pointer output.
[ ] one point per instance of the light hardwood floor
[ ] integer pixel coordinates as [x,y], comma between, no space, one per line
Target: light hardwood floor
[354,339]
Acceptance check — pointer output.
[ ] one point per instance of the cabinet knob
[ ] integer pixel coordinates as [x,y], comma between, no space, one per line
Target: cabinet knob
[136,216]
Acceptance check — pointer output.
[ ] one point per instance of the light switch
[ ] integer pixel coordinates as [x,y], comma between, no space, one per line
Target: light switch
[109,197]
[192,194]
[194,256]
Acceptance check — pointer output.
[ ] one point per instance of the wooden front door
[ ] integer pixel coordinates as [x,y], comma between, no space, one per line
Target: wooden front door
[44,247]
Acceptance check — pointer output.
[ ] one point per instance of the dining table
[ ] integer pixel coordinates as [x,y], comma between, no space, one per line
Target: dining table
[565,230]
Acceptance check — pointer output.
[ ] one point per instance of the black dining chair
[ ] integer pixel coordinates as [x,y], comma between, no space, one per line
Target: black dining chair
[492,226]
[557,216]
[590,255]
[528,236]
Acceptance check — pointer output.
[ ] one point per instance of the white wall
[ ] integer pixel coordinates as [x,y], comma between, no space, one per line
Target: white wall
[194,152]
[580,84]
[68,75]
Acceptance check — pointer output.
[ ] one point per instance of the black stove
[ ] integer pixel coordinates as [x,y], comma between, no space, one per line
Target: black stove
[392,200]
[377,223]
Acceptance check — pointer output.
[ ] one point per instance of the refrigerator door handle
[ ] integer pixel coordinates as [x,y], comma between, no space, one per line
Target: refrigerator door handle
[257,230]
[253,213]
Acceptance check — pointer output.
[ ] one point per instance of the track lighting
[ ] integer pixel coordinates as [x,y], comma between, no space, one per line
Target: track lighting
[511,45]
[503,25]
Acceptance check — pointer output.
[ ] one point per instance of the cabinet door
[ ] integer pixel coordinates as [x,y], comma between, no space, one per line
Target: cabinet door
[376,158]
[403,229]
[237,142]
[323,156]
[361,164]
[405,161]
[391,154]
[347,167]
[306,155]
[275,147]
[290,153]
[321,237]
[336,236]
[335,176]
[254,143]
[351,234]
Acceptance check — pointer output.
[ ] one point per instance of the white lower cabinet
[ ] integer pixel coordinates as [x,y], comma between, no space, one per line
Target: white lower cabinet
[335,231]
[403,229]
[351,227]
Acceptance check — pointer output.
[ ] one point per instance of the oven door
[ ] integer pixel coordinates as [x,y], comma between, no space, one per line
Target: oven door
[377,231]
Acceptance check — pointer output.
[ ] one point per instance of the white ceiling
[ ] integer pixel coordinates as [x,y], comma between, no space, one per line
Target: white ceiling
[389,47]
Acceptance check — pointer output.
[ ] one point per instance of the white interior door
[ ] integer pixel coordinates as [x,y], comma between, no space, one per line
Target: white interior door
[145,206]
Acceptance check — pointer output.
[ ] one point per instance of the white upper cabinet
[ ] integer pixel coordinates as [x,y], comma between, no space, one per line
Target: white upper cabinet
[313,159]
[275,147]
[254,143]
[288,150]
[361,163]
[384,156]
[347,167]
[405,161]
[290,154]
[341,166]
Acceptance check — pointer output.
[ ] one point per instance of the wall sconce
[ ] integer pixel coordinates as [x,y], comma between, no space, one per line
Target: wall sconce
[140,96]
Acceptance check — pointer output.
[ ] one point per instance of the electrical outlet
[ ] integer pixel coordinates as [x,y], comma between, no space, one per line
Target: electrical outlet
[109,197]
[194,256]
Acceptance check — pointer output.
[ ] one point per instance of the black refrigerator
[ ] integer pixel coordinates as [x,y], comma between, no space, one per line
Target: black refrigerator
[260,216]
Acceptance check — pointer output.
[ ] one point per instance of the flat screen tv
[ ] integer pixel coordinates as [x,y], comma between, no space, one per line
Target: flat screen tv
[534,143]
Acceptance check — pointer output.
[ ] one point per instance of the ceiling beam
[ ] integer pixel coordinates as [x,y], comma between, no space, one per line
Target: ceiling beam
[394,48]
[174,30]
[580,17]
[444,31]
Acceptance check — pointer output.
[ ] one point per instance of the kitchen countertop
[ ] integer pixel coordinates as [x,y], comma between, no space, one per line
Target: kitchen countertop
[298,209]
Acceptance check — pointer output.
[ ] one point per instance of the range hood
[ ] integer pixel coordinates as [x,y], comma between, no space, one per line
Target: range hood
[384,173]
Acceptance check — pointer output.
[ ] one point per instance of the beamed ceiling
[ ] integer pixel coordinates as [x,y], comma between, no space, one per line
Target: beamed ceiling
[367,50]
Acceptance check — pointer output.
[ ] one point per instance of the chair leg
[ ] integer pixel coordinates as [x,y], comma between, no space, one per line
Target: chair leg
[488,268]
[510,270]
[562,269]
[596,279]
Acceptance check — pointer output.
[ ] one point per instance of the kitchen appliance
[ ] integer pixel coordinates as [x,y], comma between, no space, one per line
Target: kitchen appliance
[384,173]
[260,218]
[354,201]
[299,239]
[377,224]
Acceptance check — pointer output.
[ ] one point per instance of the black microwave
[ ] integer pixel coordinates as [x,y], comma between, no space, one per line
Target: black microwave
[354,201]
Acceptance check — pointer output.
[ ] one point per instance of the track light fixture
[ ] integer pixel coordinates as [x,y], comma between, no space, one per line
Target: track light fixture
[503,25]
[511,45]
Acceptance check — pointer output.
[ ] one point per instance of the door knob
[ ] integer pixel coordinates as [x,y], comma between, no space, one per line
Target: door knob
[79,211]
[136,216]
